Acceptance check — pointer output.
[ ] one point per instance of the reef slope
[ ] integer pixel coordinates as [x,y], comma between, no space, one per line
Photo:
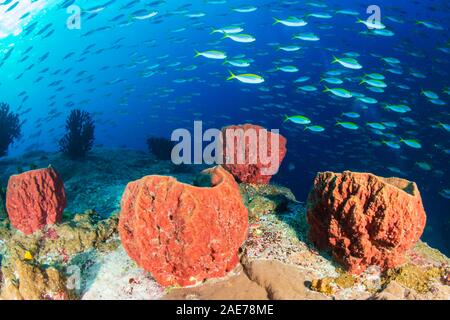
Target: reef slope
[82,258]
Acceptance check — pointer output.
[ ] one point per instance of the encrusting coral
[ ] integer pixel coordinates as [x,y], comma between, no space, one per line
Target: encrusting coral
[34,266]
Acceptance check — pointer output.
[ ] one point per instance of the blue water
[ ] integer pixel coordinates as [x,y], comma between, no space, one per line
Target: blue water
[105,60]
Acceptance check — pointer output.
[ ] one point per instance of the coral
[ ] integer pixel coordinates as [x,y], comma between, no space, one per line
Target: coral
[26,281]
[79,137]
[180,233]
[161,148]
[264,199]
[34,199]
[324,285]
[10,128]
[85,231]
[414,277]
[364,219]
[251,169]
[329,285]
[34,266]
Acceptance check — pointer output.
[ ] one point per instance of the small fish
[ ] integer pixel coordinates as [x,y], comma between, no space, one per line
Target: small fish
[306,37]
[239,37]
[212,54]
[28,256]
[348,63]
[315,128]
[291,22]
[411,143]
[246,78]
[297,119]
[348,125]
[339,92]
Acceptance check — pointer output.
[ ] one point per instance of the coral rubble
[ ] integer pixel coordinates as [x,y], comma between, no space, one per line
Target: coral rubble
[180,233]
[34,199]
[364,219]
[243,149]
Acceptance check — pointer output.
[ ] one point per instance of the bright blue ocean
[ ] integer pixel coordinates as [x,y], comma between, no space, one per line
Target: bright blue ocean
[132,65]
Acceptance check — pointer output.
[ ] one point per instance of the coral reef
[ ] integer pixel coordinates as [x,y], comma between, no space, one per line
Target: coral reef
[10,128]
[34,199]
[246,145]
[79,137]
[35,266]
[82,257]
[161,148]
[180,233]
[364,219]
[27,281]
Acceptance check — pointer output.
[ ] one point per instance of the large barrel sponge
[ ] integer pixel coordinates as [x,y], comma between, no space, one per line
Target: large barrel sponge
[251,171]
[35,199]
[364,219]
[183,234]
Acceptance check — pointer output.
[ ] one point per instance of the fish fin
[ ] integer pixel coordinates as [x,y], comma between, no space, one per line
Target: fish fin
[231,77]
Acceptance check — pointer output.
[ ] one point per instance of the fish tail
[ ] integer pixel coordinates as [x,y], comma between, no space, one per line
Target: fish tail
[326,89]
[225,36]
[306,128]
[214,31]
[335,59]
[362,81]
[286,118]
[231,77]
[359,20]
[276,21]
[197,54]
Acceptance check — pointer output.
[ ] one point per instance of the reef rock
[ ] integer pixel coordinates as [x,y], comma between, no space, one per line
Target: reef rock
[183,234]
[253,168]
[35,199]
[364,219]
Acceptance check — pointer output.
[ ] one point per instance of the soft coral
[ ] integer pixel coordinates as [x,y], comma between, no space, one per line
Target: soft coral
[10,128]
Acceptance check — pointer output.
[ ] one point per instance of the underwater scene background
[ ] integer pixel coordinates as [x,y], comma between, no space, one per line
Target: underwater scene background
[134,65]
